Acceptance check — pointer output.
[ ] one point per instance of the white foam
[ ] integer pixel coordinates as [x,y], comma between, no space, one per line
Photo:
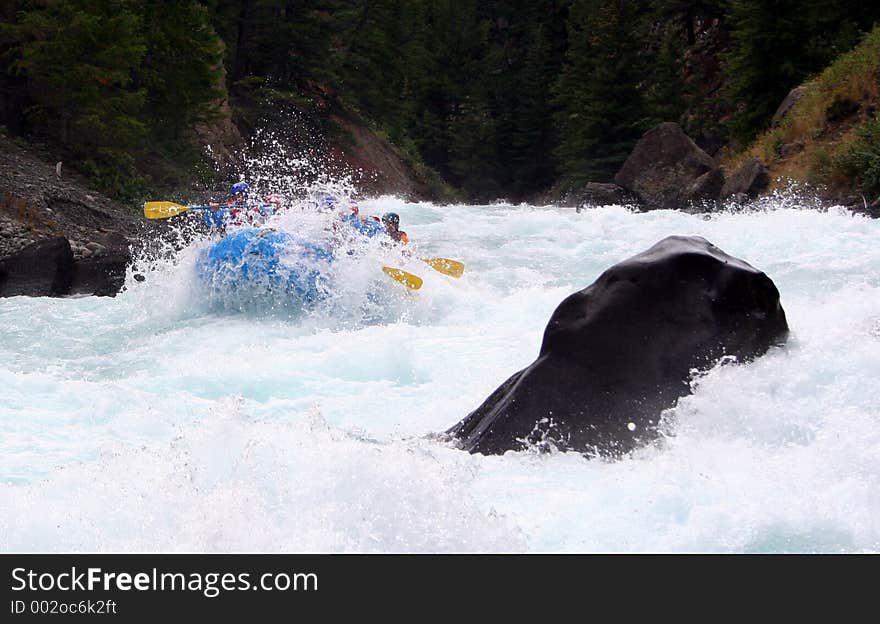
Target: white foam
[153,422]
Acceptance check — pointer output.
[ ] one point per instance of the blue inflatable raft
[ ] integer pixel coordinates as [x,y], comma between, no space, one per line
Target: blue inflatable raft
[265,260]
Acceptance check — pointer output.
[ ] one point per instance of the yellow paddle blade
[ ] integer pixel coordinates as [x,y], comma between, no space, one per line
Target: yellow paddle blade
[452,268]
[163,209]
[407,279]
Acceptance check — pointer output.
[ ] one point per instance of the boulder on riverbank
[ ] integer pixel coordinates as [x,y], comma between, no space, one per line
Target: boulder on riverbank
[619,352]
[663,166]
[793,97]
[750,180]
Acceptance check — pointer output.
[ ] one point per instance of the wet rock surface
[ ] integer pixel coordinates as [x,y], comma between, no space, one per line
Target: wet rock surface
[39,205]
[663,165]
[619,352]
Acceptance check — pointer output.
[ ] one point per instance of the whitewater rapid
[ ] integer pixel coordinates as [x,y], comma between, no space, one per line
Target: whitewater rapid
[154,421]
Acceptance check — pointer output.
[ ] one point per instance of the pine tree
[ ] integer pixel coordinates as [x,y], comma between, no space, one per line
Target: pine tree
[284,42]
[664,92]
[452,125]
[602,114]
[181,70]
[779,43]
[79,59]
[533,138]
[684,15]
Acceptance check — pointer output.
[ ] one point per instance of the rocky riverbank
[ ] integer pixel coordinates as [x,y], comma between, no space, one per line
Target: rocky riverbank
[58,237]
[668,171]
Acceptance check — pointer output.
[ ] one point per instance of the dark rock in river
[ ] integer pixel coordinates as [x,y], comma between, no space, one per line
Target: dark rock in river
[103,272]
[619,352]
[663,165]
[41,269]
[49,268]
[600,194]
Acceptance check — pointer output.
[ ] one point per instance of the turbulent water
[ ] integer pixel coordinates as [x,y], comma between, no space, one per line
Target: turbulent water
[165,420]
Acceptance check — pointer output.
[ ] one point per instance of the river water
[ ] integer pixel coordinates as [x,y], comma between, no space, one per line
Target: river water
[163,420]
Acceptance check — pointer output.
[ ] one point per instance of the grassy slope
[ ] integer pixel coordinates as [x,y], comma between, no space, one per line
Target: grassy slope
[825,121]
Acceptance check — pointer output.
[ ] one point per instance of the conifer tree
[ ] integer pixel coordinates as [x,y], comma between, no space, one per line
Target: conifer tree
[181,70]
[533,139]
[779,43]
[78,59]
[602,114]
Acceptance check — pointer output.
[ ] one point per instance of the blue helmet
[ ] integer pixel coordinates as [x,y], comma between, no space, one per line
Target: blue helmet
[239,187]
[391,217]
[328,201]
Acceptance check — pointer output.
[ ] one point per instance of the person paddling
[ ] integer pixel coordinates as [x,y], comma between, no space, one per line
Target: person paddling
[238,193]
[391,221]
[235,207]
